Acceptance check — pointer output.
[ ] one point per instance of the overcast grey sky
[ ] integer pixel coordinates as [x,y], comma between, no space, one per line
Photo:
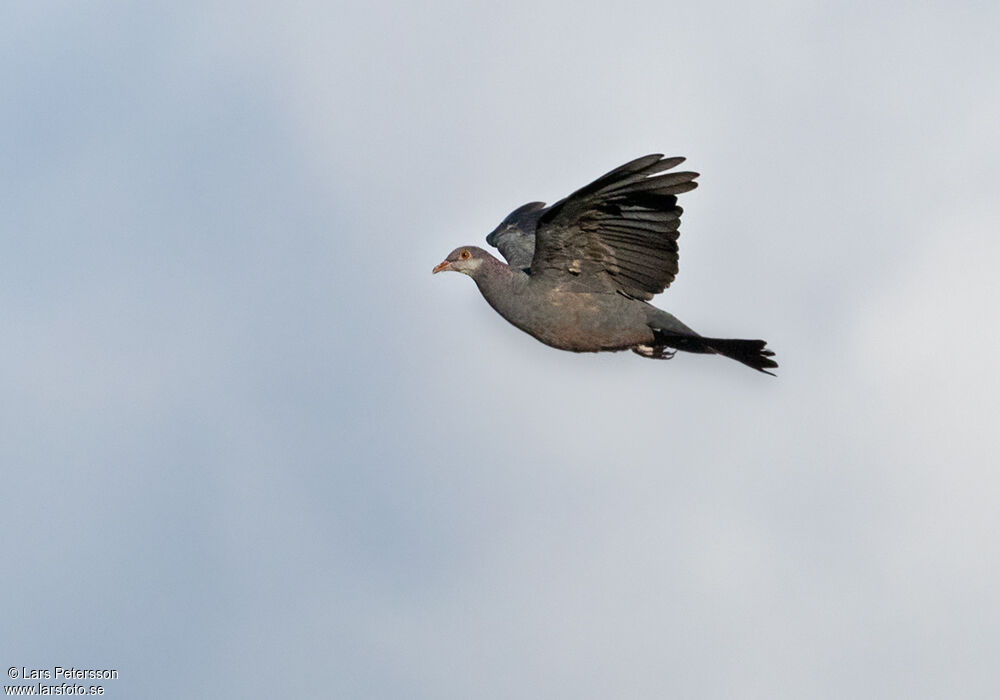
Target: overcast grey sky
[251,447]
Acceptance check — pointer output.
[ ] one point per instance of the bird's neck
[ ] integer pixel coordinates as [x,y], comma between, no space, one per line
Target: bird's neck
[498,283]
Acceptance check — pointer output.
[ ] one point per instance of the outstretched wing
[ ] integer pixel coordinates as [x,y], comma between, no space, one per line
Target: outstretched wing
[619,232]
[515,236]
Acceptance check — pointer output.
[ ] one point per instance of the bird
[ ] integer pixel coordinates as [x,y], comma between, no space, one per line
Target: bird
[580,273]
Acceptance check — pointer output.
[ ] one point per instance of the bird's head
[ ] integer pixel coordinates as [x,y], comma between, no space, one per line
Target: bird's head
[466,260]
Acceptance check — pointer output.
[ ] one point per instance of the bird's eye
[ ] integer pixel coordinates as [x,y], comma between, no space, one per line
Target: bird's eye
[465,255]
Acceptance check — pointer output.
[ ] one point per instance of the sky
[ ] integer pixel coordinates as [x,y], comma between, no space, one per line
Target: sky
[251,447]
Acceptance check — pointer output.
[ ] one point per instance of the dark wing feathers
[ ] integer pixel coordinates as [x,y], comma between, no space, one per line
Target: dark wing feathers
[515,236]
[618,232]
[631,172]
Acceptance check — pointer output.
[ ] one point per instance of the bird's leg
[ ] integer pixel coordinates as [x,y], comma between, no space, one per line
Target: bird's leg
[654,352]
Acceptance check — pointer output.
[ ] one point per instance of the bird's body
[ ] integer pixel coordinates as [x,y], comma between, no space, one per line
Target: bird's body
[580,272]
[580,321]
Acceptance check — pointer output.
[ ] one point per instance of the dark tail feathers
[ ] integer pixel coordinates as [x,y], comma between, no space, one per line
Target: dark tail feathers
[752,353]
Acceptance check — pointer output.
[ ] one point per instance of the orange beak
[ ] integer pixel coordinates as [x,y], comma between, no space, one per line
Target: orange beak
[441,267]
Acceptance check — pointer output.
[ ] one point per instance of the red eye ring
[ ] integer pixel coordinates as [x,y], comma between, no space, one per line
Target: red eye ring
[465,255]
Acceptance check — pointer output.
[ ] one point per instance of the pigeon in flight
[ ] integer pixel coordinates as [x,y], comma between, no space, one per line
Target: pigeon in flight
[579,274]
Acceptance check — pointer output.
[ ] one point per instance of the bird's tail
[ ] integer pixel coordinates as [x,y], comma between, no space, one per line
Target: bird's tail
[752,353]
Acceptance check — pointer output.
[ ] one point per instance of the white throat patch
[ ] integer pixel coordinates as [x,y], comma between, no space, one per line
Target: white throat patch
[471,265]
